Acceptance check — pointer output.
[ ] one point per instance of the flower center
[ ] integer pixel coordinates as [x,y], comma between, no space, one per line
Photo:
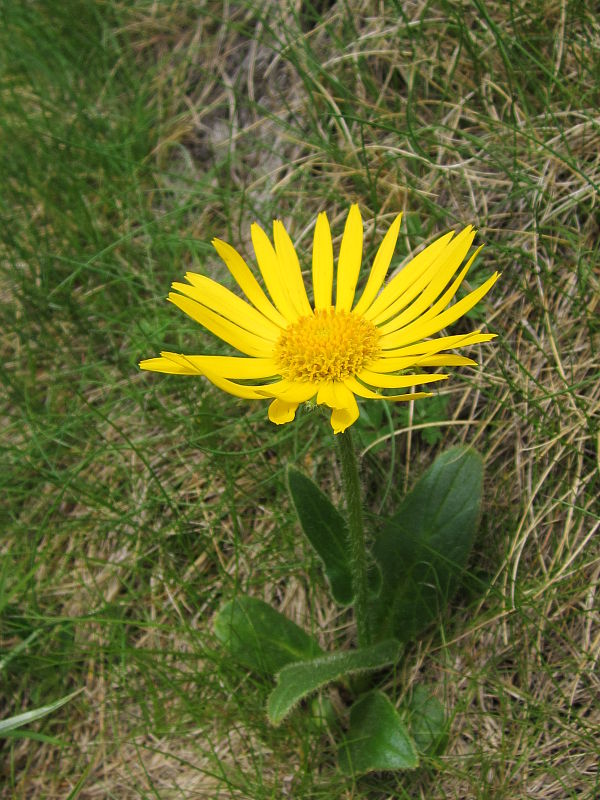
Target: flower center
[329,346]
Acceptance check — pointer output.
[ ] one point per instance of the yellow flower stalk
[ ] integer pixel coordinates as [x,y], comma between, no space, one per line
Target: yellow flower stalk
[340,347]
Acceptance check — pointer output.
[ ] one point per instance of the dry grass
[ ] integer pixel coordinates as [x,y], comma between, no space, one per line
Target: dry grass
[152,501]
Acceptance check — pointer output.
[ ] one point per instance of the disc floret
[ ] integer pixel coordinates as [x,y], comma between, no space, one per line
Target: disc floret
[327,346]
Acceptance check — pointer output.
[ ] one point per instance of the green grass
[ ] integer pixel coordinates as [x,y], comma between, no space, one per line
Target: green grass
[135,504]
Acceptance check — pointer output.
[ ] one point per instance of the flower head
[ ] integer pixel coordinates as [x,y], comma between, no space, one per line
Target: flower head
[333,350]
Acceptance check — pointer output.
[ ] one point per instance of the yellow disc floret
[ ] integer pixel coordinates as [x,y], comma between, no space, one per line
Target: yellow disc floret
[327,346]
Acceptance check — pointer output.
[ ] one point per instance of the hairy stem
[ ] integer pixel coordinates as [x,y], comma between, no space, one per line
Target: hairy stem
[358,553]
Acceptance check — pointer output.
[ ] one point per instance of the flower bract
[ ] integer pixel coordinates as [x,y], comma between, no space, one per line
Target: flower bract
[339,346]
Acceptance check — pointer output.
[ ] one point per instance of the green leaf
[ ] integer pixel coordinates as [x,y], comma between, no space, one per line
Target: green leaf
[424,548]
[296,681]
[377,739]
[326,530]
[427,721]
[27,717]
[18,649]
[261,638]
[34,736]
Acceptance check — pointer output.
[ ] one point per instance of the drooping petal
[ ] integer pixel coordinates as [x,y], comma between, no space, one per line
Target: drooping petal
[420,330]
[349,260]
[290,391]
[322,263]
[290,269]
[342,418]
[445,267]
[281,412]
[223,366]
[386,381]
[381,264]
[282,390]
[225,329]
[211,294]
[342,402]
[333,394]
[236,389]
[408,277]
[247,282]
[270,268]
[362,391]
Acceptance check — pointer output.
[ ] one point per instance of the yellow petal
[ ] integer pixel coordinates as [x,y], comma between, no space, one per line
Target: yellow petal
[381,264]
[334,394]
[448,295]
[342,418]
[362,391]
[281,412]
[165,365]
[211,294]
[339,398]
[236,389]
[228,331]
[322,263]
[397,364]
[405,357]
[223,366]
[385,364]
[407,283]
[281,390]
[290,391]
[445,267]
[445,360]
[420,330]
[247,282]
[386,381]
[432,346]
[349,260]
[271,272]
[290,269]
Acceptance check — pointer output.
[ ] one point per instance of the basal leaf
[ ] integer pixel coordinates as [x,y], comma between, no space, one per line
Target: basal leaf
[423,550]
[261,638]
[377,739]
[427,721]
[325,529]
[296,681]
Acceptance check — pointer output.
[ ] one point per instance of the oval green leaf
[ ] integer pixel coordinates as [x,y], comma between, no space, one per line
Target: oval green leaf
[326,530]
[427,721]
[424,548]
[261,638]
[377,739]
[296,681]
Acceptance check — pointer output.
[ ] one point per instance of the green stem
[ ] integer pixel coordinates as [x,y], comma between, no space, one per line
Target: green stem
[358,552]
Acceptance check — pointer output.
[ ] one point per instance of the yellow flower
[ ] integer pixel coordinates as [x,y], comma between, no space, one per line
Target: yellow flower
[331,350]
